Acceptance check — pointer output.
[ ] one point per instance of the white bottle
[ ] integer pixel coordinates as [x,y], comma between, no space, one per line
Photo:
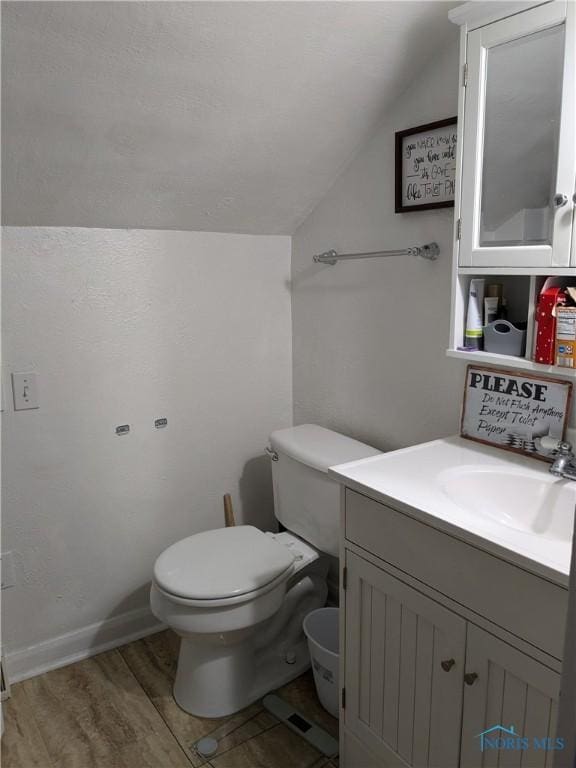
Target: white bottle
[474,334]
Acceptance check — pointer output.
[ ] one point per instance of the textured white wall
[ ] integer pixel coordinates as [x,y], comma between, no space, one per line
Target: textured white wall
[232,117]
[123,327]
[369,337]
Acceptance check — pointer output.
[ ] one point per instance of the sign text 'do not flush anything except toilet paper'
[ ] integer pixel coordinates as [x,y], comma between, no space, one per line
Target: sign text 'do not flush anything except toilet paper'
[513,410]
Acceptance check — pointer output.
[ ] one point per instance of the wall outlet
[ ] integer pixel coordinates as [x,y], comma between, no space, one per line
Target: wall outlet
[7,569]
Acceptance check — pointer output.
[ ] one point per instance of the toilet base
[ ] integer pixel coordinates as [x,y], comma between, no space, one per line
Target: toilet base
[211,682]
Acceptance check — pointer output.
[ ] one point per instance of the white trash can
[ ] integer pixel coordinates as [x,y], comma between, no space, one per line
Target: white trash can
[321,629]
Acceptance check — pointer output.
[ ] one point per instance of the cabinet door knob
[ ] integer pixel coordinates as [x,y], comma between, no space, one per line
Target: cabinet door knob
[447,664]
[470,678]
[560,200]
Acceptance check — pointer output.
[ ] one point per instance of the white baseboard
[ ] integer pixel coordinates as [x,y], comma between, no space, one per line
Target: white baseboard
[80,644]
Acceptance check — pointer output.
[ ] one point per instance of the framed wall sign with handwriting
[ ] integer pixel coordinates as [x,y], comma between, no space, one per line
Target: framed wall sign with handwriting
[511,410]
[426,166]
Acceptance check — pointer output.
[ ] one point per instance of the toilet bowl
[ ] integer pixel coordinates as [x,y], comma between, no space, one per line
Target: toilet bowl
[238,596]
[240,615]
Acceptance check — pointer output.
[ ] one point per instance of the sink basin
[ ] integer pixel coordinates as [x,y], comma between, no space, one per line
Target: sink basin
[507,504]
[532,503]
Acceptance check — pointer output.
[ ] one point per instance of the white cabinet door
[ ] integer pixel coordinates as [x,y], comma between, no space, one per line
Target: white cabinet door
[509,691]
[404,664]
[519,153]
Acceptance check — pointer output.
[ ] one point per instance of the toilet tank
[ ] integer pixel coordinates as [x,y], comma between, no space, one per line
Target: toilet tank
[306,498]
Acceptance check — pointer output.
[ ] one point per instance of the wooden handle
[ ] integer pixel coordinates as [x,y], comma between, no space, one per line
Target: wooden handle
[228,511]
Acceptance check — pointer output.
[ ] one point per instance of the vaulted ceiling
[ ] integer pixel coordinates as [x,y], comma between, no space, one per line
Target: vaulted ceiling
[222,116]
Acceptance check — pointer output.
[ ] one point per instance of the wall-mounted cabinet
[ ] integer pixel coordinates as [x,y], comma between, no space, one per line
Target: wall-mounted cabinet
[518,160]
[516,167]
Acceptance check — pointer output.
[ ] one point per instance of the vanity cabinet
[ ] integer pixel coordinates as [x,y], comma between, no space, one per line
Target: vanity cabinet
[518,156]
[511,688]
[404,669]
[434,652]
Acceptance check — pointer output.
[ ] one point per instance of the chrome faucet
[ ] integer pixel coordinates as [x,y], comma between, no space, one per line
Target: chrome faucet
[564,464]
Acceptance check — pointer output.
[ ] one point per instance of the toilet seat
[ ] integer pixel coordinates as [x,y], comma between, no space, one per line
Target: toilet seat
[224,602]
[223,566]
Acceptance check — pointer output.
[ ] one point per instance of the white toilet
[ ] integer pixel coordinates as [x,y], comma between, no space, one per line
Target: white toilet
[237,596]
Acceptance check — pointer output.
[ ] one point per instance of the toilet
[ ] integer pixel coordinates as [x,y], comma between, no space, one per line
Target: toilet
[237,596]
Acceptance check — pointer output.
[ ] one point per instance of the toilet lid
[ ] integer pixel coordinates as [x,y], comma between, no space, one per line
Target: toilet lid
[222,563]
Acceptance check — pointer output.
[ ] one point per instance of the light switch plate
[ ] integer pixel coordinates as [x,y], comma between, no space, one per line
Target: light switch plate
[25,391]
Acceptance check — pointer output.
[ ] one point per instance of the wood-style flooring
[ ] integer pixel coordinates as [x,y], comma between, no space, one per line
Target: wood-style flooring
[116,710]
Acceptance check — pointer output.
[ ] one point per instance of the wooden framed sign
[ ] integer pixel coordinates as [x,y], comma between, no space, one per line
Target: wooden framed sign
[426,166]
[511,410]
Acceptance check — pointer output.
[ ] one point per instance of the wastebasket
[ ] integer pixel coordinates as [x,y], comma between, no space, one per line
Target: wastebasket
[321,629]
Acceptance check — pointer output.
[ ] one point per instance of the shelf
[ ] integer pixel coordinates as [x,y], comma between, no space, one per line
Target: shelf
[518,271]
[511,361]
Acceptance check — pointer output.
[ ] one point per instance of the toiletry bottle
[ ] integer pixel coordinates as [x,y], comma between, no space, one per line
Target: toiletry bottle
[493,302]
[473,333]
[490,309]
[495,289]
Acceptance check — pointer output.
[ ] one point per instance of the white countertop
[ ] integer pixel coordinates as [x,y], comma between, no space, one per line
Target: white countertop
[413,480]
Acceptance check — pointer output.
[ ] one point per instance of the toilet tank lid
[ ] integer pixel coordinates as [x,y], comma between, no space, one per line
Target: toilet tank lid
[318,447]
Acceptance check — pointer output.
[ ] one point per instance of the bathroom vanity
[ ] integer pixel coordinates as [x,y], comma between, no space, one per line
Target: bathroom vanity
[455,561]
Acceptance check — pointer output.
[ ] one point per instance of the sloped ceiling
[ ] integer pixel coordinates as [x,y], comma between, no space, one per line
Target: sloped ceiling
[222,116]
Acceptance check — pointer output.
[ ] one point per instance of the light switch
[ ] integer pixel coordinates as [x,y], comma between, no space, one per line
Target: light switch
[25,391]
